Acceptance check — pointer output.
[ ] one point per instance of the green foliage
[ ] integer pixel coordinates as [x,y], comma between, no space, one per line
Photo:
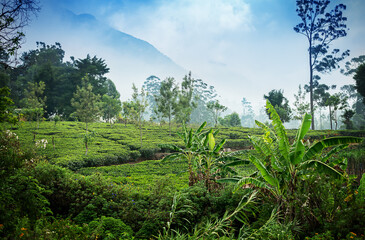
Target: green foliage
[360,80]
[34,100]
[231,120]
[166,101]
[110,107]
[216,109]
[6,105]
[138,107]
[301,105]
[110,228]
[281,165]
[280,103]
[86,102]
[321,26]
[186,102]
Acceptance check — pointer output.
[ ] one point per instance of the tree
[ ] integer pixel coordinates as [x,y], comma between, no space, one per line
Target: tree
[203,94]
[35,100]
[95,68]
[247,113]
[347,115]
[167,99]
[216,108]
[152,85]
[14,16]
[186,100]
[86,102]
[338,102]
[321,27]
[138,107]
[126,111]
[231,120]
[110,107]
[360,80]
[352,65]
[280,103]
[358,119]
[301,105]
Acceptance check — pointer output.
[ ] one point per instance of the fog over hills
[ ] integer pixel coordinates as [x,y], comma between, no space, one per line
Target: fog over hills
[131,60]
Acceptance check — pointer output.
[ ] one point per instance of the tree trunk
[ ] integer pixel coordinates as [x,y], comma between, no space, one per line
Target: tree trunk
[311,83]
[140,129]
[330,117]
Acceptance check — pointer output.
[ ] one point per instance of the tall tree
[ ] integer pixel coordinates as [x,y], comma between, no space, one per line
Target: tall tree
[152,85]
[139,105]
[167,99]
[203,94]
[86,102]
[280,103]
[95,68]
[216,108]
[14,16]
[247,113]
[321,27]
[186,99]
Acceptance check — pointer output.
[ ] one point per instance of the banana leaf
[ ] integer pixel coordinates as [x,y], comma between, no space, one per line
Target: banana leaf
[317,148]
[299,149]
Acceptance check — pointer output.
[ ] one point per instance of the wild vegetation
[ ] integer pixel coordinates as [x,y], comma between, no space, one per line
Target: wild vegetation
[77,163]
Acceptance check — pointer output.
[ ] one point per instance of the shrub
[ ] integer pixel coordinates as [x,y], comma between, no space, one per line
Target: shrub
[110,228]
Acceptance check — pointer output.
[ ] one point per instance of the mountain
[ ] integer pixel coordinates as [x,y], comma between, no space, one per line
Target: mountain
[131,60]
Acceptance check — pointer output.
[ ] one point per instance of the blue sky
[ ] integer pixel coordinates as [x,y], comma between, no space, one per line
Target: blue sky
[244,48]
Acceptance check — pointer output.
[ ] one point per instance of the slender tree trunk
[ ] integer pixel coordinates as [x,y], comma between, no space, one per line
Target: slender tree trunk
[330,117]
[170,125]
[311,83]
[86,148]
[140,129]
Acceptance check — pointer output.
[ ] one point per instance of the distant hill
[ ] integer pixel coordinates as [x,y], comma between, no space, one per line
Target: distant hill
[130,59]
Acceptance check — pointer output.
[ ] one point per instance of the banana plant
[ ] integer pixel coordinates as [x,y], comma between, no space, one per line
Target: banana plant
[204,157]
[280,164]
[192,143]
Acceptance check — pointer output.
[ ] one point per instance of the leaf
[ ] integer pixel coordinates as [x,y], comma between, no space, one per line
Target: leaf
[219,146]
[299,148]
[172,156]
[237,163]
[333,151]
[317,148]
[201,127]
[321,167]
[211,141]
[249,180]
[283,141]
[260,146]
[264,172]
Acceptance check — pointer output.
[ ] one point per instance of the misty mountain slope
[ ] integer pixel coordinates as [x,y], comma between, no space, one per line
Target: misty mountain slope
[131,60]
[122,42]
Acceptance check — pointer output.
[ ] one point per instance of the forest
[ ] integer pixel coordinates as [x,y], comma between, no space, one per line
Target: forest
[76,162]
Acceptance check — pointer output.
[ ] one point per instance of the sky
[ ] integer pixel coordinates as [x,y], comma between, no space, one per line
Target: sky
[244,48]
